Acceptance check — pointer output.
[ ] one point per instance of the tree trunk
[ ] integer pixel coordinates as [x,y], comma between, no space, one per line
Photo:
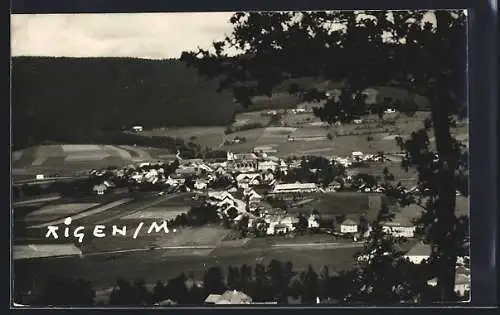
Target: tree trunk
[444,239]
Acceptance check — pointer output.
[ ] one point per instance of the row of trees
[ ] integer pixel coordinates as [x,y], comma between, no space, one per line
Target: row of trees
[277,282]
[324,171]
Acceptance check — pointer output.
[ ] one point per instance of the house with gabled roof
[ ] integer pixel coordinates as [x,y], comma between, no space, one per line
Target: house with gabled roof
[246,180]
[349,226]
[419,253]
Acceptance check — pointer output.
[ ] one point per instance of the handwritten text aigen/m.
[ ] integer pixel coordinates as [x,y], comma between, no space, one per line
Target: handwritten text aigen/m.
[99,230]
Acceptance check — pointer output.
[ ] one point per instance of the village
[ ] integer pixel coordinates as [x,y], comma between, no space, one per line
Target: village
[304,202]
[254,188]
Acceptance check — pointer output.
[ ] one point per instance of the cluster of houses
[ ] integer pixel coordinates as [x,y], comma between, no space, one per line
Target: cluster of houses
[270,221]
[135,174]
[248,179]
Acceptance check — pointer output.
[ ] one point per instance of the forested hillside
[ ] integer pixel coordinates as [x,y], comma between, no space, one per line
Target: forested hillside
[56,98]
[83,99]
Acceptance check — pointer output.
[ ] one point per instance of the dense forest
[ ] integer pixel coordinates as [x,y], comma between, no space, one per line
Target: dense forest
[54,98]
[84,100]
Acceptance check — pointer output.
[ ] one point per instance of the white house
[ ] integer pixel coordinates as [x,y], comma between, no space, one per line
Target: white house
[267,165]
[283,166]
[233,189]
[313,221]
[279,224]
[254,197]
[419,253]
[280,229]
[357,154]
[137,128]
[100,189]
[294,189]
[248,179]
[268,177]
[39,177]
[399,229]
[349,226]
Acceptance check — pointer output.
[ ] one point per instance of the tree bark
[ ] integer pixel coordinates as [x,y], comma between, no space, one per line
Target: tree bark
[445,206]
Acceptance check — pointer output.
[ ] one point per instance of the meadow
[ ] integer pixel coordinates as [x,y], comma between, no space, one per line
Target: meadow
[67,160]
[330,205]
[104,270]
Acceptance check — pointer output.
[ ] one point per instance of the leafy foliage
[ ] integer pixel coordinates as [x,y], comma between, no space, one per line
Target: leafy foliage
[371,48]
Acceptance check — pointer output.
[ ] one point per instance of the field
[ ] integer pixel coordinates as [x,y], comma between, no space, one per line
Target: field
[251,117]
[330,205]
[188,250]
[104,270]
[212,137]
[52,212]
[310,135]
[68,159]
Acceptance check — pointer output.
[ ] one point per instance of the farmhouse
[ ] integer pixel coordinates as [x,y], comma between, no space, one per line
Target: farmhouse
[313,221]
[201,184]
[357,155]
[294,190]
[399,229]
[137,128]
[252,195]
[418,253]
[267,166]
[349,226]
[246,180]
[401,225]
[279,224]
[100,189]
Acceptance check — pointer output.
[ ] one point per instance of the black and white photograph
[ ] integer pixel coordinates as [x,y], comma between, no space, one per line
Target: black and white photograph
[242,158]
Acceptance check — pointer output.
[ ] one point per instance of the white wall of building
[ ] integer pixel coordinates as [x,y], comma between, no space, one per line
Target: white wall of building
[348,228]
